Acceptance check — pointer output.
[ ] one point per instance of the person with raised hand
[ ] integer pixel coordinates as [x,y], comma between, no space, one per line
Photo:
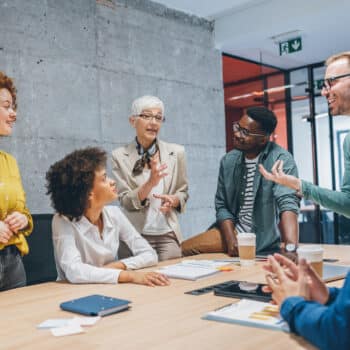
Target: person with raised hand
[336,89]
[151,179]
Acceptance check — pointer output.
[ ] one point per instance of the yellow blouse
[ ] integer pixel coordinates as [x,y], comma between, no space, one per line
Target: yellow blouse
[12,198]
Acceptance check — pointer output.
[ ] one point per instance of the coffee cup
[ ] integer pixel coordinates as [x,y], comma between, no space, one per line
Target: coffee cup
[246,248]
[314,256]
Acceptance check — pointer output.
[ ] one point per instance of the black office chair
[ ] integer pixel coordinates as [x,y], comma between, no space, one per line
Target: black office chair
[40,263]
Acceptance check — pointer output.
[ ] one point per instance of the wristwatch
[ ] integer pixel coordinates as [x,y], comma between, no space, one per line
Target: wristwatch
[291,248]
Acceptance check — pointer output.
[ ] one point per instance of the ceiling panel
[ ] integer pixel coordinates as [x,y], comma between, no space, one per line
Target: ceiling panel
[207,8]
[247,28]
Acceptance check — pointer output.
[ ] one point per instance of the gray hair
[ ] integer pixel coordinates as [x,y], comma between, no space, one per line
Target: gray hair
[146,102]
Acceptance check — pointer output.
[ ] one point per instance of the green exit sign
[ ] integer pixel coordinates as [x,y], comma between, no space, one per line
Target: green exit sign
[319,83]
[290,46]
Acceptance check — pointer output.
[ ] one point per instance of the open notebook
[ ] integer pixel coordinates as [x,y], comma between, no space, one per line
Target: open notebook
[193,269]
[250,313]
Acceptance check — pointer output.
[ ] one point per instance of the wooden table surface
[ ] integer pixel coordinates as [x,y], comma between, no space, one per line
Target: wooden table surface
[160,318]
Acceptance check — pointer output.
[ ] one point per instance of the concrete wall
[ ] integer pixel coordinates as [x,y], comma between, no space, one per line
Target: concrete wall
[79,64]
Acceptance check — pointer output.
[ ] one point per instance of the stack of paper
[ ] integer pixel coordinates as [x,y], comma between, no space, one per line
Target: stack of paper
[67,326]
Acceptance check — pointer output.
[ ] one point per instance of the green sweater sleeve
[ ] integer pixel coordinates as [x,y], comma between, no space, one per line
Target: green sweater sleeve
[338,201]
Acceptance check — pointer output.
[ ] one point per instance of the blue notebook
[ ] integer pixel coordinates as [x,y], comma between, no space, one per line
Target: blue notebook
[95,305]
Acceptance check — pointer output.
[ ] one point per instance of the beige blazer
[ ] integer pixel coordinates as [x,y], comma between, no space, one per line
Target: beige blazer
[175,183]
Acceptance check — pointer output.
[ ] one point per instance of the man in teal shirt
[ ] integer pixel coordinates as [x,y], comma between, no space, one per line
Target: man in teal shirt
[336,89]
[245,201]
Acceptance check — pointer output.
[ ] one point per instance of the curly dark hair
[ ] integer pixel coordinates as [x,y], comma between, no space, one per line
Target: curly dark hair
[70,180]
[7,83]
[266,118]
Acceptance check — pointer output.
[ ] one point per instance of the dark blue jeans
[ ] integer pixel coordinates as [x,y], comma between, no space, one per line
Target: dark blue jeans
[12,273]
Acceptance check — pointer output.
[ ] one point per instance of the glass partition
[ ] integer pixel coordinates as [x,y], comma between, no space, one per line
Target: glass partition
[248,84]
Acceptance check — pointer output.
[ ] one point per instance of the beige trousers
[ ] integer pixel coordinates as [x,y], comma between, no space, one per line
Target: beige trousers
[166,245]
[210,241]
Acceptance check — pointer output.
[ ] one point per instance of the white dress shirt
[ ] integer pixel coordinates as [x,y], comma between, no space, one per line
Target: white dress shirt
[80,253]
[156,222]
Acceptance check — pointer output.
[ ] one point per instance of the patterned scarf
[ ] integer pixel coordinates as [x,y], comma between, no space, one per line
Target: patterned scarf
[146,156]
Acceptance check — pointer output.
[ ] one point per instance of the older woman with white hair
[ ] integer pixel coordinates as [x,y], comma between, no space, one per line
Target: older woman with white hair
[151,179]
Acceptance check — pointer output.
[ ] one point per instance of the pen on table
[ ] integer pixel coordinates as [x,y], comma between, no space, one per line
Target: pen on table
[225,268]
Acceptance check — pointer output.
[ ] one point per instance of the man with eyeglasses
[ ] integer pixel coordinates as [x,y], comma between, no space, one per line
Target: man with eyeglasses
[336,89]
[318,313]
[151,180]
[245,201]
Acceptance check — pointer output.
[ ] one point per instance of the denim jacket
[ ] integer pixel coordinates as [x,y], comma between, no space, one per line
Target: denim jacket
[326,326]
[270,199]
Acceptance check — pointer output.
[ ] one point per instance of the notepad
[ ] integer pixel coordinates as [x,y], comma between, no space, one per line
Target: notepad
[192,269]
[333,272]
[95,305]
[187,272]
[250,313]
[211,264]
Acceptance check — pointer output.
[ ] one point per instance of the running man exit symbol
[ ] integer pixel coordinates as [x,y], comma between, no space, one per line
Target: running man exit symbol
[290,46]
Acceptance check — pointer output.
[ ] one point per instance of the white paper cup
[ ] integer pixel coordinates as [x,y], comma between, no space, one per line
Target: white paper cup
[246,248]
[313,255]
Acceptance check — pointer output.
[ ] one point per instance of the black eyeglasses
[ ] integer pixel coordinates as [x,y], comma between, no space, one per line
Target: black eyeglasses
[244,132]
[148,117]
[329,82]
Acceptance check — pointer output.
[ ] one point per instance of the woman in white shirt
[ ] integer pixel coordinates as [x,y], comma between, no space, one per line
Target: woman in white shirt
[86,232]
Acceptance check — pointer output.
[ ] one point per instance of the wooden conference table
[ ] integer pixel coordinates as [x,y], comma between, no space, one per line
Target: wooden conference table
[160,318]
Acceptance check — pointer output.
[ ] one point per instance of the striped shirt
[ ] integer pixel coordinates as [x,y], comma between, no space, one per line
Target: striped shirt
[245,215]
